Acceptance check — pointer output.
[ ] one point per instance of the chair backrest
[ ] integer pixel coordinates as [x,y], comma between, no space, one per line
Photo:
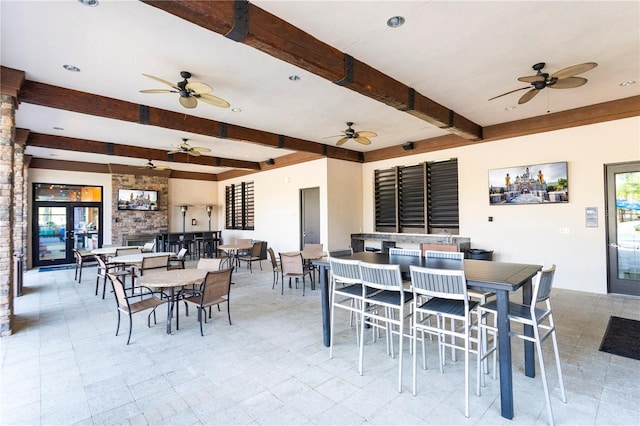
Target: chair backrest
[209,264]
[181,254]
[274,260]
[127,250]
[437,247]
[102,266]
[154,262]
[312,247]
[263,251]
[148,247]
[394,251]
[345,270]
[291,263]
[342,252]
[119,292]
[78,256]
[216,285]
[434,254]
[256,249]
[542,284]
[383,277]
[442,283]
[245,242]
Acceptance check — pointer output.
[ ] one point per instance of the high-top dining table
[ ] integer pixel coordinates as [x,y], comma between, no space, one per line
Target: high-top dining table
[172,280]
[497,277]
[232,250]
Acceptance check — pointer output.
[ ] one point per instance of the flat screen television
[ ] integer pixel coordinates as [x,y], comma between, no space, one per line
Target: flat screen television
[137,199]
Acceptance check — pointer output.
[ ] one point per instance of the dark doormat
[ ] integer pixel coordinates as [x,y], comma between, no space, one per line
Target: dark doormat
[622,338]
[56,268]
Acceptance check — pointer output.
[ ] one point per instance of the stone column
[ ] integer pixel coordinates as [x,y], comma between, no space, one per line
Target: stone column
[7,134]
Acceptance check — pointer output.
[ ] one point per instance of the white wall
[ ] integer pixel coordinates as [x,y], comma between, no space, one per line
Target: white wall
[196,194]
[344,183]
[277,204]
[530,233]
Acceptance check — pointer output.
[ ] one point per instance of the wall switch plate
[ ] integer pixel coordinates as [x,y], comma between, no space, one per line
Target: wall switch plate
[490,218]
[565,230]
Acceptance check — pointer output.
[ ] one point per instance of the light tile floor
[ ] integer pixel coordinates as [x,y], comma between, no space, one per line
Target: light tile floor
[64,365]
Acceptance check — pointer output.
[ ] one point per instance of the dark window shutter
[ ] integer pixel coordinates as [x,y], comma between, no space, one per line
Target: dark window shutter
[239,206]
[385,200]
[411,196]
[228,197]
[248,206]
[442,194]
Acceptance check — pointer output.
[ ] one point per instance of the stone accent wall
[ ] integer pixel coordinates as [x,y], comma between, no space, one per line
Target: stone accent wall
[7,136]
[127,223]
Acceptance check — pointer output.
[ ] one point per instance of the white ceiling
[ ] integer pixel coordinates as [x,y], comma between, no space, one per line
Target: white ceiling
[458,54]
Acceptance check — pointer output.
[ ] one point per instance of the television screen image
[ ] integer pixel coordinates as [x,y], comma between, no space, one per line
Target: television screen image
[135,199]
[529,184]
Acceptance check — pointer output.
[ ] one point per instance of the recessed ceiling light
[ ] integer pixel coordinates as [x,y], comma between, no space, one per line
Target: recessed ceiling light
[510,108]
[53,155]
[294,77]
[58,128]
[90,3]
[627,83]
[71,68]
[236,110]
[395,21]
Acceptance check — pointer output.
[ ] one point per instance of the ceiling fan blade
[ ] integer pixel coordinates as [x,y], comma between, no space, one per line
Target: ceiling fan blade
[194,153]
[199,88]
[528,96]
[158,91]
[341,141]
[201,149]
[334,136]
[188,102]
[574,70]
[511,91]
[162,81]
[366,134]
[362,140]
[161,167]
[213,100]
[531,78]
[175,151]
[569,83]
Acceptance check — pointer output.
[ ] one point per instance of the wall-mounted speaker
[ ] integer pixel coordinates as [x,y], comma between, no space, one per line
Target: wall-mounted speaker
[270,161]
[408,146]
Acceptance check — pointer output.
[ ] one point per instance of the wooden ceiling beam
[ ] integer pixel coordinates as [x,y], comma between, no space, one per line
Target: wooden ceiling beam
[95,147]
[88,103]
[246,23]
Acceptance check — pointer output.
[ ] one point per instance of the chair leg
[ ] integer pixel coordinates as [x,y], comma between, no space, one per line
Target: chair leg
[118,326]
[130,328]
[200,320]
[229,312]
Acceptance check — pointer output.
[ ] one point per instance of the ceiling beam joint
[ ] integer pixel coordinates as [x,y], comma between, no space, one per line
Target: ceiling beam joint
[144,114]
[348,71]
[240,28]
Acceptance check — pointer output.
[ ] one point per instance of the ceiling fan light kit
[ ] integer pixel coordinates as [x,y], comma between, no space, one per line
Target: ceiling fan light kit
[189,92]
[563,79]
[185,148]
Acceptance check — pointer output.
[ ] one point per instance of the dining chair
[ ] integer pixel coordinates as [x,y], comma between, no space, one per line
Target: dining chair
[178,261]
[539,316]
[346,292]
[123,251]
[124,305]
[275,264]
[148,247]
[215,289]
[81,260]
[396,251]
[292,266]
[255,255]
[446,294]
[481,296]
[148,264]
[383,302]
[105,268]
[314,248]
[437,247]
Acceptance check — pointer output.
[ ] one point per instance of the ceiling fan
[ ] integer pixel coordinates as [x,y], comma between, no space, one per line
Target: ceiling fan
[563,79]
[189,92]
[360,137]
[149,165]
[184,147]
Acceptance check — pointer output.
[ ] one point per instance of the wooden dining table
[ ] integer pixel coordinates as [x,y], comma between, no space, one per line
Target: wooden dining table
[232,250]
[500,278]
[136,258]
[172,280]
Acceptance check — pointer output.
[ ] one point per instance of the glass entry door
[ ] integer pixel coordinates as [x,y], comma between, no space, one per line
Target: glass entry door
[623,228]
[61,227]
